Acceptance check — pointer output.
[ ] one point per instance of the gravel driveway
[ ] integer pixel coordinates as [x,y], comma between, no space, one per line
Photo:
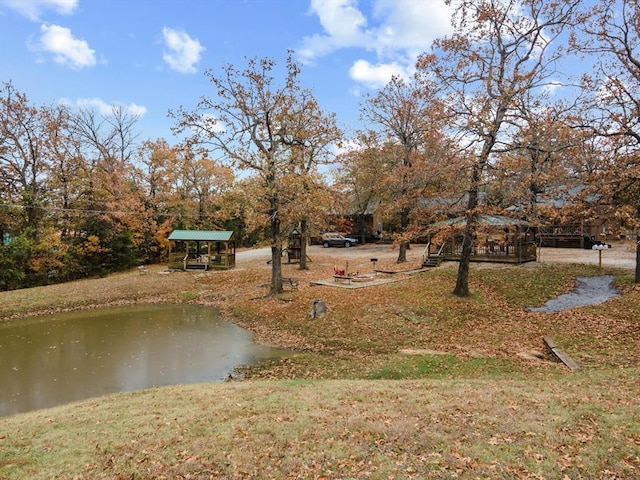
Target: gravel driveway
[622,254]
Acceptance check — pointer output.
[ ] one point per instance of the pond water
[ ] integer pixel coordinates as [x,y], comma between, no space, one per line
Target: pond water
[61,358]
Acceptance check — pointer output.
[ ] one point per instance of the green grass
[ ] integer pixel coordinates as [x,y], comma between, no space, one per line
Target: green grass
[188,296]
[446,366]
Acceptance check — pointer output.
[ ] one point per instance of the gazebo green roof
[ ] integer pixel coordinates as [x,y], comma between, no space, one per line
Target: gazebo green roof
[201,235]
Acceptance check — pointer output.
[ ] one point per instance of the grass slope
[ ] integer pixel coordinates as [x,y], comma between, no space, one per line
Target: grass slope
[499,428]
[401,380]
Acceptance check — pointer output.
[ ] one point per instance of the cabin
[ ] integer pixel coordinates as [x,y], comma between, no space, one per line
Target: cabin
[565,225]
[498,239]
[202,250]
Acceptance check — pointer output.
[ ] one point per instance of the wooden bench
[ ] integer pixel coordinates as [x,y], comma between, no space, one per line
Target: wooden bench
[347,278]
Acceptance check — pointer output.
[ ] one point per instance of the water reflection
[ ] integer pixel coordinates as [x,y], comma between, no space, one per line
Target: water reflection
[61,358]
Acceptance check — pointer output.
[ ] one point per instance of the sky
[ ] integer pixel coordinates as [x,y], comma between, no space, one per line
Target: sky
[150,55]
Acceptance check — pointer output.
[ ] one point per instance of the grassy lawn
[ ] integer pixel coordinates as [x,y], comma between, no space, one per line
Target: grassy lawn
[401,380]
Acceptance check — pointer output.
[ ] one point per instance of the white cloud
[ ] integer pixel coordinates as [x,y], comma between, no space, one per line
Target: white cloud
[343,23]
[104,108]
[553,86]
[410,25]
[210,122]
[376,76]
[66,50]
[347,146]
[33,9]
[183,52]
[396,33]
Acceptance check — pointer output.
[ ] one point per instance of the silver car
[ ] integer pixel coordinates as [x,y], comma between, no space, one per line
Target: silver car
[336,239]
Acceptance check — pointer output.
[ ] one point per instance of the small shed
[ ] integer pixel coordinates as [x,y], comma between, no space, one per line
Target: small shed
[202,249]
[498,239]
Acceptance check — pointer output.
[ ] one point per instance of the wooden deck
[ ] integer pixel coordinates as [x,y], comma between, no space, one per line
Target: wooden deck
[495,253]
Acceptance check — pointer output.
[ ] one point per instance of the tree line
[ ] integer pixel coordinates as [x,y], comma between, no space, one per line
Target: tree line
[490,122]
[81,197]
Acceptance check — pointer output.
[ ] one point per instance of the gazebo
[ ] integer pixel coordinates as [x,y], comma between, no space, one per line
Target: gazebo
[498,239]
[201,250]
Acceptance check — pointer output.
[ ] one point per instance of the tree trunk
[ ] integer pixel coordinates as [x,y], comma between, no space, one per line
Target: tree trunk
[404,246]
[304,235]
[276,243]
[402,252]
[462,282]
[276,269]
[637,279]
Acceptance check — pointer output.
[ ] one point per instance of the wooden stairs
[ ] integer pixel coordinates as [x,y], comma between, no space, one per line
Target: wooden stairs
[431,260]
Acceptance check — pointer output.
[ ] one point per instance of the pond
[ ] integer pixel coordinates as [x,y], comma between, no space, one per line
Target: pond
[48,361]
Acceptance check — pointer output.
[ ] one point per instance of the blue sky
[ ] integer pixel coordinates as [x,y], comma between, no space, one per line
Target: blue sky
[150,55]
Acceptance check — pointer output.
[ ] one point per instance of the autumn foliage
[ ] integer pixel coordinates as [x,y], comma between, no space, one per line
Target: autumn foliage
[489,123]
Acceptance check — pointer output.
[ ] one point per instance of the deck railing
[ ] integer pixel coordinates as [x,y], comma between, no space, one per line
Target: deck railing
[180,261]
[493,252]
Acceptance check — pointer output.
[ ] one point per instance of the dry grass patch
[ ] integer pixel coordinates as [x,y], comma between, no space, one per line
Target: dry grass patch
[338,429]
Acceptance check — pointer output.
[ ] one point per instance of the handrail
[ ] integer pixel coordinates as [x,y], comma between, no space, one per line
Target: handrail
[425,253]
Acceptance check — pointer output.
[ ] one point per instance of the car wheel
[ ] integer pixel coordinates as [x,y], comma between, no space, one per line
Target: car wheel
[325,244]
[347,244]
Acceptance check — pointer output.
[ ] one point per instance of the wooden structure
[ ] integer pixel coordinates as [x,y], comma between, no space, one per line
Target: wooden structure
[498,239]
[202,250]
[563,236]
[559,354]
[294,248]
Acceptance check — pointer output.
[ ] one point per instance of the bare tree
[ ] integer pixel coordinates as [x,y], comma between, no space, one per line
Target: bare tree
[408,114]
[254,124]
[106,145]
[500,50]
[64,172]
[23,159]
[612,37]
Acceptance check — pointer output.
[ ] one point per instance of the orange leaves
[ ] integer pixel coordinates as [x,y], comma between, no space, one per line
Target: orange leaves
[92,245]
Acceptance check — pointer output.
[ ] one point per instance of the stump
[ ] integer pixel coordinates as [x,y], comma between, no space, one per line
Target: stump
[318,309]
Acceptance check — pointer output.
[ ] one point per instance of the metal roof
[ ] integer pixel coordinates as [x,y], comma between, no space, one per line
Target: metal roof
[487,220]
[201,235]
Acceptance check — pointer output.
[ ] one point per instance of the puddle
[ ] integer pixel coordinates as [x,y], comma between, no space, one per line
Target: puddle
[589,291]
